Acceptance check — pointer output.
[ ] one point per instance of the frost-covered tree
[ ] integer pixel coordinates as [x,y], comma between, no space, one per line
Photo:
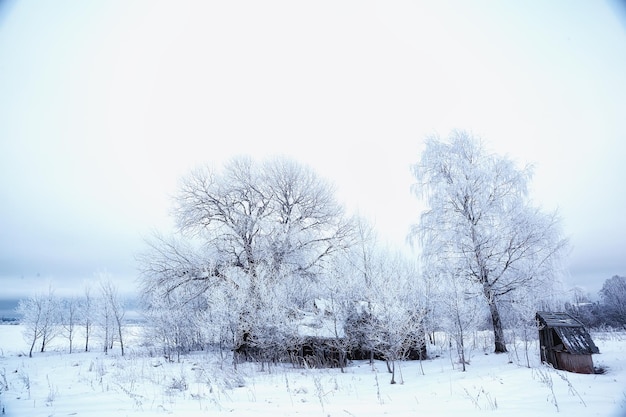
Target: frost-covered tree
[613,295]
[386,309]
[271,332]
[87,314]
[40,317]
[113,313]
[70,317]
[358,287]
[244,225]
[276,214]
[397,328]
[459,313]
[105,324]
[481,221]
[176,321]
[32,311]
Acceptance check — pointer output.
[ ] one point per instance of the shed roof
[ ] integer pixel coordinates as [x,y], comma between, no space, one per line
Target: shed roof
[551,319]
[573,335]
[576,340]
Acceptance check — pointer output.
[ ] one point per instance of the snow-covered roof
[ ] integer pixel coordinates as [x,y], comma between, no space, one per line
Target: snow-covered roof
[557,319]
[321,323]
[316,325]
[576,340]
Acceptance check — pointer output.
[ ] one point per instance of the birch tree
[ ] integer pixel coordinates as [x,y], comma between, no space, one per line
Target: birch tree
[113,313]
[105,322]
[481,220]
[70,318]
[32,311]
[87,313]
[40,317]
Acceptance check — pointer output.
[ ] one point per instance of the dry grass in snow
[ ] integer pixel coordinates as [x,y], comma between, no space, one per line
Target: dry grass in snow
[92,384]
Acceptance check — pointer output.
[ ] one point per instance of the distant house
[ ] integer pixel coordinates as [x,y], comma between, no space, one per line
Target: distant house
[322,338]
[565,343]
[318,340]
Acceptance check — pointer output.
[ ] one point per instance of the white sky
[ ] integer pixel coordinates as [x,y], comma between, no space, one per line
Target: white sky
[104,105]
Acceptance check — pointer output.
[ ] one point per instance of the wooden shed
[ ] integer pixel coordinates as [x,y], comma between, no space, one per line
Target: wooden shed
[565,343]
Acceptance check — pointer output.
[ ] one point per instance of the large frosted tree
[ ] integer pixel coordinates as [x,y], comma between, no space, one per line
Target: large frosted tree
[480,225]
[242,228]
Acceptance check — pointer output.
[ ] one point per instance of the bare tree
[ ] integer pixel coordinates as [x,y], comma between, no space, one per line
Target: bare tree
[363,274]
[32,310]
[276,214]
[481,221]
[105,323]
[386,313]
[114,311]
[87,313]
[70,316]
[40,317]
[51,319]
[398,314]
[459,314]
[176,321]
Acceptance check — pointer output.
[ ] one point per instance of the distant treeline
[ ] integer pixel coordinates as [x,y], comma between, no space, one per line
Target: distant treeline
[7,310]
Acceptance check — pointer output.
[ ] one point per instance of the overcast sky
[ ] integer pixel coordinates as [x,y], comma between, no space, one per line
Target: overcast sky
[104,105]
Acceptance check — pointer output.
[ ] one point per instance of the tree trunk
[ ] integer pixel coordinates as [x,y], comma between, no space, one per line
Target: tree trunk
[460,343]
[496,321]
[119,332]
[498,332]
[43,342]
[106,338]
[32,346]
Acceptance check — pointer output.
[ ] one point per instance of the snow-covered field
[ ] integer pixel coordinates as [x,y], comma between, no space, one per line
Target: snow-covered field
[56,383]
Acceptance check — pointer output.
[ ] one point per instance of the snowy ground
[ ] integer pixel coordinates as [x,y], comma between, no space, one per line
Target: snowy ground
[92,384]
